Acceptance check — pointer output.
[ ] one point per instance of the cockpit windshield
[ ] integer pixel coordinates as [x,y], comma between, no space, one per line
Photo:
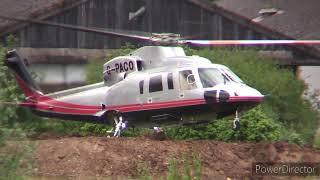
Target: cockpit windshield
[232,76]
[210,77]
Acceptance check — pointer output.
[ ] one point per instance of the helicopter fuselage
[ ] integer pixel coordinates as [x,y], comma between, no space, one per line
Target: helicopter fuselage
[156,86]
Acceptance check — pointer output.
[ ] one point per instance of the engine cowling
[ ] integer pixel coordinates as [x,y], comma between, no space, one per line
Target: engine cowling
[118,68]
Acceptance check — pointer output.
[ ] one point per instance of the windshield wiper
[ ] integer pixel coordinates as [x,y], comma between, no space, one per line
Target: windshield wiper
[225,79]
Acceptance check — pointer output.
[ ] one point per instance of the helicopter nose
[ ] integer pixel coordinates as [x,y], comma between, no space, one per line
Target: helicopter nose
[244,90]
[234,93]
[247,94]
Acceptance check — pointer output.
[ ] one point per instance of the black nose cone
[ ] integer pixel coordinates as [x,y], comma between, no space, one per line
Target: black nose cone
[223,96]
[214,97]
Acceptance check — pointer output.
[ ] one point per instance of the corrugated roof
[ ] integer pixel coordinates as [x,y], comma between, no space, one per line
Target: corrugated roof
[28,9]
[298,19]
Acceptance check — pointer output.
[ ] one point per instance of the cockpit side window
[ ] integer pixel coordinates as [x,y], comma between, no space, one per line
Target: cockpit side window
[139,65]
[210,77]
[186,80]
[155,84]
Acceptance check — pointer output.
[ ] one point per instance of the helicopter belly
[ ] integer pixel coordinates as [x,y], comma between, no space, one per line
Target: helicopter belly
[190,113]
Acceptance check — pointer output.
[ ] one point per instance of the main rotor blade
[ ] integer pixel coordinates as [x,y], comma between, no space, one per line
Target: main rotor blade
[248,42]
[150,38]
[80,28]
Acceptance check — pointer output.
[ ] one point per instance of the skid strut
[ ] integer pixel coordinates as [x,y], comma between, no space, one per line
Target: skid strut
[236,122]
[117,131]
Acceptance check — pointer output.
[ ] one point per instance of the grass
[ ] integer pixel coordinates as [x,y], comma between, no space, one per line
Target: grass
[317,142]
[14,163]
[189,169]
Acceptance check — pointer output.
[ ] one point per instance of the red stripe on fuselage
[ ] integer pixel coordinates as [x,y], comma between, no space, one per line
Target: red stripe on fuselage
[67,108]
[246,98]
[122,108]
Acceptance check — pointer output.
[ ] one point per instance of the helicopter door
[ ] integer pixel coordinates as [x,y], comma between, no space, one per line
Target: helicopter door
[155,89]
[186,82]
[172,83]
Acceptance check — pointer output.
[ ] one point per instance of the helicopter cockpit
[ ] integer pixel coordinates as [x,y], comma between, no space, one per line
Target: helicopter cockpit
[210,77]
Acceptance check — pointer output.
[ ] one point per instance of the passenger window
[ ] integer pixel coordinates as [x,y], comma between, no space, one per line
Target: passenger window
[170,81]
[155,84]
[139,65]
[187,81]
[141,83]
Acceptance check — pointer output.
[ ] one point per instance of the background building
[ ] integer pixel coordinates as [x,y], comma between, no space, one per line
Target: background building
[200,19]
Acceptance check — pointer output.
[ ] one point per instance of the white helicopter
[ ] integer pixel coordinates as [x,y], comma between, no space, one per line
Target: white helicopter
[152,86]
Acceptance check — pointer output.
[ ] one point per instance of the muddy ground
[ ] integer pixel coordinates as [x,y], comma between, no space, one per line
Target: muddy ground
[82,157]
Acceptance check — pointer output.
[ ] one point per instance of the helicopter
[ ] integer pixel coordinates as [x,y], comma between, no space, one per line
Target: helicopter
[154,85]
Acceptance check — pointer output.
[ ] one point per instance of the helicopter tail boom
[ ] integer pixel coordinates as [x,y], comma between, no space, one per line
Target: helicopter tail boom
[24,79]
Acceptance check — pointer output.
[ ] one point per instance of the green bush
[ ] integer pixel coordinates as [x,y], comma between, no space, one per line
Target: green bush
[190,169]
[295,138]
[284,91]
[317,142]
[14,164]
[255,126]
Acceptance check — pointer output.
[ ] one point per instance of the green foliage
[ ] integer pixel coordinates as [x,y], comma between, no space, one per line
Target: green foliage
[255,126]
[12,116]
[317,142]
[295,138]
[144,173]
[197,166]
[12,158]
[284,91]
[14,165]
[8,92]
[191,168]
[173,171]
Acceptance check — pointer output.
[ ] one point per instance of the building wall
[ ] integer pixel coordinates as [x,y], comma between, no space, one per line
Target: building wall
[59,68]
[175,16]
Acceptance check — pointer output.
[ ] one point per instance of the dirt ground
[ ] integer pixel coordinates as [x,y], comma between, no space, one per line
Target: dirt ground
[97,157]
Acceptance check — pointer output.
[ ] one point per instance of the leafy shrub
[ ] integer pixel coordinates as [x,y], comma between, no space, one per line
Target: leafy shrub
[14,164]
[317,142]
[295,138]
[191,168]
[284,91]
[255,126]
